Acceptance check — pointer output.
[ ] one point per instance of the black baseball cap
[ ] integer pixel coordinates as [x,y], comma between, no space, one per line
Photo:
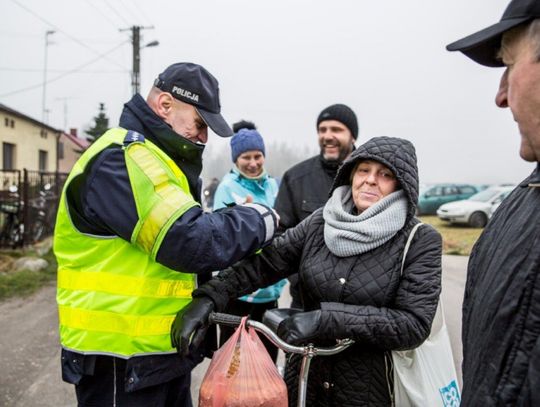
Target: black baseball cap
[483,46]
[192,84]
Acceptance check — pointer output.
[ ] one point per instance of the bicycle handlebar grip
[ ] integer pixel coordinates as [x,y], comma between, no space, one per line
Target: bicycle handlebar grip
[224,319]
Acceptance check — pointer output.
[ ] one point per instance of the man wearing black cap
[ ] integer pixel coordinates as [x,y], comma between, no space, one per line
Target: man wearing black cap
[501,308]
[131,241]
[305,187]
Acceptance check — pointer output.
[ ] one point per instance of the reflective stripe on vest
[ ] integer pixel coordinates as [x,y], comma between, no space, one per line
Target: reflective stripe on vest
[113,297]
[103,321]
[123,285]
[173,199]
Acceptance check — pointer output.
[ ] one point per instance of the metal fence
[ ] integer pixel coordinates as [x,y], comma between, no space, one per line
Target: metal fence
[28,204]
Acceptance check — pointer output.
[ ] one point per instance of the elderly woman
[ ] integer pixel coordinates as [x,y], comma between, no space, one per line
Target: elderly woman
[349,257]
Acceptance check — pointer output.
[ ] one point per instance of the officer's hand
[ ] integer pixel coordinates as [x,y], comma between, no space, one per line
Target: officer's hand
[301,328]
[190,324]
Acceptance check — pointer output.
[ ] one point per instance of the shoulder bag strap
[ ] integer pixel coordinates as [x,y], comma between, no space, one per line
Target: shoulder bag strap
[408,244]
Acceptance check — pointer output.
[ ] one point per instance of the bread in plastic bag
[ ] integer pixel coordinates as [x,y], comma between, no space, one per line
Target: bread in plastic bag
[242,374]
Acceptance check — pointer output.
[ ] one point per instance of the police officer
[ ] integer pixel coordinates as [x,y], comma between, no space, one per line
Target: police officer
[131,240]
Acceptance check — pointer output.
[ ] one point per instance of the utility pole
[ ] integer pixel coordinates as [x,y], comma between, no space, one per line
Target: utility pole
[135,42]
[136,73]
[65,99]
[43,97]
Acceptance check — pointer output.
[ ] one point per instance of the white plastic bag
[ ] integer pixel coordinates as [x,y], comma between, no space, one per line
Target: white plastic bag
[426,376]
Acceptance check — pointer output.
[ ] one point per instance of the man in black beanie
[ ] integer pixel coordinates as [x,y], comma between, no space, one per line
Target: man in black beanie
[305,187]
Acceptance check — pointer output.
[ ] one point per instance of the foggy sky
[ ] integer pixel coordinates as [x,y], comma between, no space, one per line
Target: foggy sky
[279,63]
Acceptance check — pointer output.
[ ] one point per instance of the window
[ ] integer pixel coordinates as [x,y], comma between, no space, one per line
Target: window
[467,190]
[60,150]
[435,191]
[43,133]
[42,160]
[6,121]
[8,156]
[450,191]
[12,123]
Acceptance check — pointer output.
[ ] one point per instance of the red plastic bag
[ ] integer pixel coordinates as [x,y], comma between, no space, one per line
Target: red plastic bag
[242,374]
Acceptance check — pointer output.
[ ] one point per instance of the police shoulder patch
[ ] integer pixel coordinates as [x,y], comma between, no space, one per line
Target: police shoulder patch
[133,137]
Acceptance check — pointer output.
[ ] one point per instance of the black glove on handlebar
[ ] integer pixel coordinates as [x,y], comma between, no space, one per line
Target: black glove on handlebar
[190,325]
[301,328]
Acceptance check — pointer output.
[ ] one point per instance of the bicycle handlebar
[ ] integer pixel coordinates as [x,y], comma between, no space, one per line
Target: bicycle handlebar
[225,319]
[234,320]
[307,351]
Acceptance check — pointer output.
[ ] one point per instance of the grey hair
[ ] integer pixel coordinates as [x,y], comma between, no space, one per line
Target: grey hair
[530,30]
[533,33]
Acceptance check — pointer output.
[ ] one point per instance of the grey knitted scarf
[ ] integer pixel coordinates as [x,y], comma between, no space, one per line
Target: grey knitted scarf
[347,234]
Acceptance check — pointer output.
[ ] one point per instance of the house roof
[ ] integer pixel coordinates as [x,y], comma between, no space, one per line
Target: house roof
[82,143]
[4,108]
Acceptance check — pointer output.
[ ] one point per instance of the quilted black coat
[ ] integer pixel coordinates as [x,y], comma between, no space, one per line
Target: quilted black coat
[501,308]
[361,297]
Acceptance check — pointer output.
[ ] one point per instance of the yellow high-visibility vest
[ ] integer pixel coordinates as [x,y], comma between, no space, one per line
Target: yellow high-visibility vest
[113,297]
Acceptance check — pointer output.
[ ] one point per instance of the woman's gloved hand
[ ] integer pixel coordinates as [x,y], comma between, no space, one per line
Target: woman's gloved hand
[191,324]
[301,328]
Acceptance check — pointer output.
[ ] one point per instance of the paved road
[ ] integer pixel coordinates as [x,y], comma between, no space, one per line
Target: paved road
[29,355]
[454,275]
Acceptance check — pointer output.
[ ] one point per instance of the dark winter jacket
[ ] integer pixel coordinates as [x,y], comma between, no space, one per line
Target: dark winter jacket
[361,297]
[303,189]
[102,203]
[501,309]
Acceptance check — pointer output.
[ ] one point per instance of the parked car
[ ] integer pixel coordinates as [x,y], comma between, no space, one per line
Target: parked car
[476,210]
[434,196]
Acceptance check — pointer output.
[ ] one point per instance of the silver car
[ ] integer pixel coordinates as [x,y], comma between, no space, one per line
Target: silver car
[476,210]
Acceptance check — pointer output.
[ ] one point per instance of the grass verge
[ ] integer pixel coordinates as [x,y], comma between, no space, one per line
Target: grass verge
[456,239]
[25,282]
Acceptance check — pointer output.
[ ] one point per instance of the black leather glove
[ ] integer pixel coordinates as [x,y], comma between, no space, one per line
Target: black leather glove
[191,324]
[301,328]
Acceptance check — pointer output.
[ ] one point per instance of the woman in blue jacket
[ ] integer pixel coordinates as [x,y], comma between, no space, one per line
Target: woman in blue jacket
[248,182]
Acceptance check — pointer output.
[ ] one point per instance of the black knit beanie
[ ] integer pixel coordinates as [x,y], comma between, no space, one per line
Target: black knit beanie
[342,114]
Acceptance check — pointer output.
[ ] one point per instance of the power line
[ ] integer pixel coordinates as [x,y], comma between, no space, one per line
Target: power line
[20,34]
[63,32]
[128,7]
[108,4]
[3,68]
[74,70]
[142,12]
[101,40]
[104,15]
